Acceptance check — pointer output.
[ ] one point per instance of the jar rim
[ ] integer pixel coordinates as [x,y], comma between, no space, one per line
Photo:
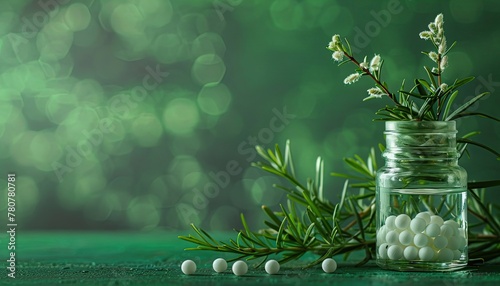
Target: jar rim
[421,126]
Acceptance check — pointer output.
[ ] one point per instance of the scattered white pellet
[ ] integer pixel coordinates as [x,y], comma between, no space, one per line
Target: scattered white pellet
[272,267]
[219,265]
[188,267]
[240,268]
[329,265]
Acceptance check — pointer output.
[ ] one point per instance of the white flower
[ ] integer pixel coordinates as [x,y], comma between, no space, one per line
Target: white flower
[352,78]
[433,56]
[331,46]
[335,43]
[443,86]
[337,56]
[375,63]
[434,70]
[444,63]
[433,28]
[364,64]
[426,35]
[439,21]
[336,39]
[442,46]
[376,92]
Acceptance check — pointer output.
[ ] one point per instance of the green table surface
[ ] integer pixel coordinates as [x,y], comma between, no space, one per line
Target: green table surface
[122,258]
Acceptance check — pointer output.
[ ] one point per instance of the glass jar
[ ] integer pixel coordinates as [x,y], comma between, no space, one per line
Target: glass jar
[421,199]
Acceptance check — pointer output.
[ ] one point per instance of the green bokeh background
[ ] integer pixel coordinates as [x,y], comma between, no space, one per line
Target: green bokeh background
[141,114]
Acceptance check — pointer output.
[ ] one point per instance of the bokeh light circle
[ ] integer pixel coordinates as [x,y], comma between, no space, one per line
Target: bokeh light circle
[180,116]
[214,98]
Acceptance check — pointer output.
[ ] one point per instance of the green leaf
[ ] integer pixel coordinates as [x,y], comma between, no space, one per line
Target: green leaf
[483,184]
[271,215]
[461,82]
[465,106]
[468,141]
[464,114]
[288,158]
[420,84]
[449,103]
[431,76]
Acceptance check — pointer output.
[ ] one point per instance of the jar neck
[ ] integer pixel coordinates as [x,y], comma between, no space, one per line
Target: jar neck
[421,142]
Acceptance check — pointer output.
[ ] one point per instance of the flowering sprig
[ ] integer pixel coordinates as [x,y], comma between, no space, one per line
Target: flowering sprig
[371,68]
[436,96]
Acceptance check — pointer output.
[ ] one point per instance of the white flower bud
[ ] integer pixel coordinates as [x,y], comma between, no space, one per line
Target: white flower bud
[375,92]
[442,46]
[375,63]
[364,64]
[433,56]
[352,78]
[439,20]
[337,56]
[444,63]
[426,35]
[335,44]
[434,70]
[331,46]
[443,86]
[433,28]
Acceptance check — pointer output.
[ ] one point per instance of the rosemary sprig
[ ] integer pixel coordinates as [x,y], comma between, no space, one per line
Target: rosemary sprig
[310,223]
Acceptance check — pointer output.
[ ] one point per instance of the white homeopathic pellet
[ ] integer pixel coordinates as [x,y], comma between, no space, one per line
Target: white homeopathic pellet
[410,253]
[425,216]
[392,237]
[329,265]
[402,221]
[445,254]
[421,240]
[433,230]
[406,237]
[440,242]
[418,225]
[382,250]
[426,253]
[272,267]
[390,222]
[394,252]
[240,268]
[447,230]
[219,265]
[437,220]
[188,267]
